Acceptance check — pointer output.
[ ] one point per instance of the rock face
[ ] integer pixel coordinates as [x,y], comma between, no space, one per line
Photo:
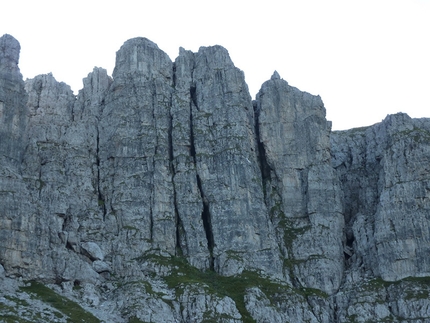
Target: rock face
[385,175]
[165,194]
[301,188]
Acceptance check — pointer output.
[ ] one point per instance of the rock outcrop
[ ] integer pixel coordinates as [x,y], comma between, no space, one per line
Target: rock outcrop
[166,194]
[385,175]
[301,188]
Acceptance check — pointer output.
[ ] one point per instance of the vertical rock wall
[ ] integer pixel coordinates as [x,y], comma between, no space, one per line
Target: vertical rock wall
[168,158]
[15,246]
[223,150]
[169,171]
[301,188]
[384,171]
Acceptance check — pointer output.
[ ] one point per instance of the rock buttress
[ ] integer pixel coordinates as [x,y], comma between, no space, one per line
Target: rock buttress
[385,178]
[302,191]
[134,148]
[16,211]
[225,180]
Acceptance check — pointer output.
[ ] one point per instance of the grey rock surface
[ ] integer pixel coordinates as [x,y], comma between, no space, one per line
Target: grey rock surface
[165,194]
[301,188]
[385,177]
[223,153]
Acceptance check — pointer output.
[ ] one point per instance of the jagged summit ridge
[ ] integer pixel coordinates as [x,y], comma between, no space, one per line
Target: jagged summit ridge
[161,188]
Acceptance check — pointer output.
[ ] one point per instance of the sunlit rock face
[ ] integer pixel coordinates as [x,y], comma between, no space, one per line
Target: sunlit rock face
[166,194]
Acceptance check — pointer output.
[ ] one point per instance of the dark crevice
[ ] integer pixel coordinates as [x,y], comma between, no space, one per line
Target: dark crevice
[41,183]
[178,223]
[350,241]
[348,249]
[76,283]
[101,200]
[154,104]
[206,215]
[69,246]
[193,96]
[151,219]
[174,75]
[272,198]
[38,86]
[262,159]
[154,166]
[180,235]
[304,183]
[207,224]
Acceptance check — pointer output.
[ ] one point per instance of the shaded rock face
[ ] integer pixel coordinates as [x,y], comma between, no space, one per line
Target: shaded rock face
[384,171]
[165,194]
[14,195]
[13,113]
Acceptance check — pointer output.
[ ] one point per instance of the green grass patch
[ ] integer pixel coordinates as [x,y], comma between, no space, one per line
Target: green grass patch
[420,280]
[412,293]
[417,134]
[75,313]
[134,319]
[8,314]
[376,284]
[235,287]
[16,300]
[10,318]
[416,294]
[413,287]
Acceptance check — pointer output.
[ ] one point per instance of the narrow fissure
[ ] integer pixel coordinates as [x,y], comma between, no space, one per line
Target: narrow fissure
[178,222]
[193,96]
[154,166]
[38,87]
[101,200]
[206,215]
[262,160]
[206,218]
[348,248]
[303,174]
[174,76]
[272,199]
[151,219]
[41,183]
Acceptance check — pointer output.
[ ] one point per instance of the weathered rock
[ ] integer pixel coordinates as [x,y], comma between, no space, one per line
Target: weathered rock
[380,301]
[385,178]
[301,188]
[222,148]
[290,307]
[16,211]
[101,266]
[13,112]
[93,250]
[193,240]
[135,179]
[165,194]
[199,305]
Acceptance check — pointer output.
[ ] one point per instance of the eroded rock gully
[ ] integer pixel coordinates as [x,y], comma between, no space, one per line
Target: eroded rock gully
[166,194]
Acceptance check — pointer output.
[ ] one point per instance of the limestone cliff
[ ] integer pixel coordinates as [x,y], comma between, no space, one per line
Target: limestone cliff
[166,194]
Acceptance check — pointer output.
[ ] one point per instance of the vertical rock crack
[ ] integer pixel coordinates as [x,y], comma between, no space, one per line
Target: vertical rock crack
[206,215]
[262,159]
[101,200]
[178,221]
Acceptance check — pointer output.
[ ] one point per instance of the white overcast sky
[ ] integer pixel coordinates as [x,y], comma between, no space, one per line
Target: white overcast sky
[366,58]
